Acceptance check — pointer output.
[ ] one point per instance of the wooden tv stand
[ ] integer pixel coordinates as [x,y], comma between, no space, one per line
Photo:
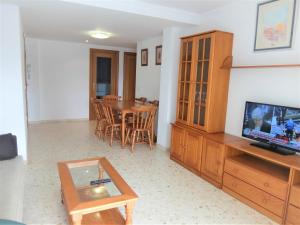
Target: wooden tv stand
[266,181]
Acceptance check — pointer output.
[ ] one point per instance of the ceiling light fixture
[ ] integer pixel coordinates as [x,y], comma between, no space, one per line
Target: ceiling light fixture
[100,34]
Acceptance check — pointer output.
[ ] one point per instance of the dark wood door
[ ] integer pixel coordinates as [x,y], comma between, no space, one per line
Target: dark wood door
[129,76]
[104,67]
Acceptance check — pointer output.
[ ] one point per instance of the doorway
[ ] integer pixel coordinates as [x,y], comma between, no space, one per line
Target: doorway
[129,76]
[104,67]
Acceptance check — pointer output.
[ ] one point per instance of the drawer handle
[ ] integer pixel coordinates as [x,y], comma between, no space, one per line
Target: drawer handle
[266,184]
[234,184]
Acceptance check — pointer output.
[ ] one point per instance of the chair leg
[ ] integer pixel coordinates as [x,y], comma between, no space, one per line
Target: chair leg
[111,135]
[101,128]
[96,129]
[133,141]
[150,140]
[127,135]
[105,133]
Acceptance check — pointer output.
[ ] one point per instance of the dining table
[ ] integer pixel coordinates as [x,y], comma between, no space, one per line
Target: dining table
[123,107]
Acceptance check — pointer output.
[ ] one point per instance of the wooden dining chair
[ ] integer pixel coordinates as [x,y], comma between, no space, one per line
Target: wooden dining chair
[111,98]
[155,103]
[140,131]
[100,119]
[113,125]
[141,100]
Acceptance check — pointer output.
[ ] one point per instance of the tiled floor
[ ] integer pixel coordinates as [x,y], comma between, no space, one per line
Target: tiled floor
[168,193]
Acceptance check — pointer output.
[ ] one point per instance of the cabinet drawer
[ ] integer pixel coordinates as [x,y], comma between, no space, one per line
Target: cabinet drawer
[295,196]
[268,183]
[263,199]
[293,215]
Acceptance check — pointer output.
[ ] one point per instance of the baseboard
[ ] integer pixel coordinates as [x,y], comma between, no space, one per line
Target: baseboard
[57,121]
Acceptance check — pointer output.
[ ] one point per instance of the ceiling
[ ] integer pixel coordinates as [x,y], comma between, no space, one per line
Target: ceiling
[128,20]
[196,6]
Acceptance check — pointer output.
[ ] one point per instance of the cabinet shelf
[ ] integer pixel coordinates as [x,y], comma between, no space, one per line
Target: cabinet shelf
[262,166]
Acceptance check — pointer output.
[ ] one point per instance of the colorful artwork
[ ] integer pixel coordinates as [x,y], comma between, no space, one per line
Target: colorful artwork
[274,26]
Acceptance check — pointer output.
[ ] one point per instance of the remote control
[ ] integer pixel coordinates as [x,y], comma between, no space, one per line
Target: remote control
[100,181]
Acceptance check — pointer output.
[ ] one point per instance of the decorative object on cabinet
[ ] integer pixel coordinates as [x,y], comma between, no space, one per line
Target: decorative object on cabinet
[274,24]
[144,57]
[158,52]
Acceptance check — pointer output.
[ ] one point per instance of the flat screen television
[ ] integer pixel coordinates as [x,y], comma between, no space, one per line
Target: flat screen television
[274,127]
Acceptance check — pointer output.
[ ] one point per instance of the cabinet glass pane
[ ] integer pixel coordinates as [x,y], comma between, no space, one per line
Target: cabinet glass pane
[203,93]
[200,50]
[181,91]
[207,48]
[185,109]
[199,72]
[180,110]
[196,112]
[197,93]
[182,71]
[186,92]
[205,71]
[188,72]
[184,51]
[189,51]
[202,115]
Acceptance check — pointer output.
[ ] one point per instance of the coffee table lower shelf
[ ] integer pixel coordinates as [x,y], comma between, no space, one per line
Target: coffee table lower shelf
[106,217]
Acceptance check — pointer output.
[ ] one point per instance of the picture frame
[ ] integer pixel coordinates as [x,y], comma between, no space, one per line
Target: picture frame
[144,57]
[274,24]
[158,52]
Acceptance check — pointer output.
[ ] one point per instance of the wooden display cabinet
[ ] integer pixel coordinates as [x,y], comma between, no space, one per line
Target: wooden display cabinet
[212,161]
[293,208]
[187,148]
[202,83]
[264,180]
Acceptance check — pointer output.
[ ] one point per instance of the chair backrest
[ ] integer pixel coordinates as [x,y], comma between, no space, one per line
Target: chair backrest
[142,100]
[98,110]
[111,98]
[143,116]
[108,113]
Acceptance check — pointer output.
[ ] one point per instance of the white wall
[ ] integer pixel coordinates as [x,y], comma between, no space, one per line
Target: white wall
[12,95]
[271,85]
[59,78]
[168,84]
[148,77]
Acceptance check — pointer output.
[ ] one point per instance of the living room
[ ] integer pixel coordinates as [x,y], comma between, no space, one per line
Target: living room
[46,102]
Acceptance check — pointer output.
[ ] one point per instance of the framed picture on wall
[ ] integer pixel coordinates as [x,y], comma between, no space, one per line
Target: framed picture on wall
[158,52]
[144,57]
[274,24]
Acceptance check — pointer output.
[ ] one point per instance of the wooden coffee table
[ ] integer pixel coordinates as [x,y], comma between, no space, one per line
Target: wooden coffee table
[95,204]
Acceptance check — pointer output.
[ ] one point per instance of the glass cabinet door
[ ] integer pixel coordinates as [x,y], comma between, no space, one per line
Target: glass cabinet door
[201,80]
[184,80]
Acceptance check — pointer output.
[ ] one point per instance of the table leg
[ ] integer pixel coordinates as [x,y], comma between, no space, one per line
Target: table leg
[123,129]
[128,211]
[76,219]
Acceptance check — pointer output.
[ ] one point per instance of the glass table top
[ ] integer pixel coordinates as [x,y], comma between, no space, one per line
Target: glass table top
[83,176]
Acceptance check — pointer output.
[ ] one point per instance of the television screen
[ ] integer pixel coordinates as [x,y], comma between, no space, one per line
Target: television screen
[276,125]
